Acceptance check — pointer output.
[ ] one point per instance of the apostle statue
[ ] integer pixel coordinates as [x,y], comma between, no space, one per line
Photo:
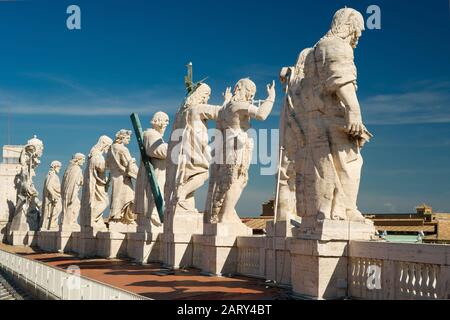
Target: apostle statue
[71,185]
[94,199]
[229,178]
[291,78]
[188,152]
[123,169]
[51,204]
[156,150]
[27,211]
[330,131]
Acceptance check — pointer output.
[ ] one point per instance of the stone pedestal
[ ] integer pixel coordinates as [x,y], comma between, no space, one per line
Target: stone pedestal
[65,242]
[23,238]
[46,240]
[178,239]
[116,227]
[334,230]
[320,257]
[111,245]
[319,269]
[278,252]
[144,247]
[219,247]
[85,243]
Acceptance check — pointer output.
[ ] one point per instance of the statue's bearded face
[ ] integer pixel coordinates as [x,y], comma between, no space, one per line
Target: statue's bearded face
[357,29]
[204,98]
[355,37]
[126,140]
[40,151]
[160,124]
[166,123]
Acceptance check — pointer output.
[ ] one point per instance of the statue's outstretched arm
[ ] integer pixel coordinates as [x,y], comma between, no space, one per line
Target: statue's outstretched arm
[265,109]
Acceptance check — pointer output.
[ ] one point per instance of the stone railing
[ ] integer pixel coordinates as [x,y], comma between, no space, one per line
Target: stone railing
[47,282]
[251,256]
[400,271]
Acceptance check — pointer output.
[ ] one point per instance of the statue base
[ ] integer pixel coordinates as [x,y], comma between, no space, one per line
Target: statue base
[70,228]
[327,229]
[319,269]
[85,242]
[319,254]
[23,238]
[111,245]
[278,252]
[218,247]
[144,247]
[65,241]
[115,227]
[47,240]
[178,235]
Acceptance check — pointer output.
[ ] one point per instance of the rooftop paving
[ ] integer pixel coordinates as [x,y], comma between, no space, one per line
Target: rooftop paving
[152,281]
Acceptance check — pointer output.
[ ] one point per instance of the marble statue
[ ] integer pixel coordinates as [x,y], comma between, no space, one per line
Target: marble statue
[188,152]
[71,185]
[228,179]
[27,211]
[51,204]
[290,77]
[94,199]
[330,132]
[123,169]
[156,150]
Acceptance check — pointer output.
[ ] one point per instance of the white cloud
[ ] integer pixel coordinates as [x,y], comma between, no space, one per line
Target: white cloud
[430,104]
[72,98]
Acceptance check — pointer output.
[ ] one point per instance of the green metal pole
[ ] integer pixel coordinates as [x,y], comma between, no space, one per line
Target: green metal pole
[157,196]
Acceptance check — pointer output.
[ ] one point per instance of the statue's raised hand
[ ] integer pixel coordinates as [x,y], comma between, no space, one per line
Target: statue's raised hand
[271,91]
[227,95]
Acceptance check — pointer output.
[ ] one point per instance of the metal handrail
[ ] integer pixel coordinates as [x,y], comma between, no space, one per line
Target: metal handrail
[46,278]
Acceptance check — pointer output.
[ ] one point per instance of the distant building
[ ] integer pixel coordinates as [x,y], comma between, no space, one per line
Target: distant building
[9,168]
[420,226]
[258,224]
[435,227]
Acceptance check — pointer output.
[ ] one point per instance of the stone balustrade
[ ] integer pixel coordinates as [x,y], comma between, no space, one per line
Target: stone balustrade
[380,270]
[251,256]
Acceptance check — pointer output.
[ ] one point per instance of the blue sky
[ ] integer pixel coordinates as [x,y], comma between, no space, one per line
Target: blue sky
[69,87]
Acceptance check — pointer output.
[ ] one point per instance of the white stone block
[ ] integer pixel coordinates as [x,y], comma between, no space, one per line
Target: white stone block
[319,269]
[65,242]
[178,239]
[145,247]
[47,240]
[111,245]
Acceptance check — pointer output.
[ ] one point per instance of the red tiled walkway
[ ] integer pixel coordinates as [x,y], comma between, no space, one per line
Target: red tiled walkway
[143,280]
